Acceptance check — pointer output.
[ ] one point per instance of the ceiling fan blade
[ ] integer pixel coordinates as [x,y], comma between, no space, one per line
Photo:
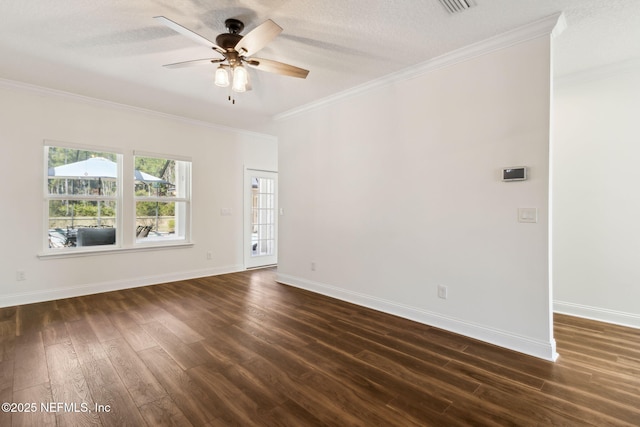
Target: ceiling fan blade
[277,67]
[193,62]
[188,33]
[258,38]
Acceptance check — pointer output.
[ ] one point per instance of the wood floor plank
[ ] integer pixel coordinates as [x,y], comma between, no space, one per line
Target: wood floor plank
[444,350]
[389,345]
[6,388]
[8,313]
[135,375]
[206,322]
[6,395]
[264,396]
[274,331]
[222,348]
[289,413]
[580,358]
[322,406]
[271,351]
[55,330]
[69,387]
[114,405]
[33,318]
[312,329]
[164,412]
[177,327]
[241,349]
[554,412]
[181,353]
[374,387]
[347,399]
[480,411]
[232,405]
[506,389]
[137,337]
[622,410]
[187,395]
[85,342]
[6,374]
[30,368]
[102,327]
[7,339]
[72,308]
[35,416]
[528,364]
[423,376]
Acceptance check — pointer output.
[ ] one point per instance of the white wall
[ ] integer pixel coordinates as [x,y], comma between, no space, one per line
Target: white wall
[397,189]
[27,117]
[596,195]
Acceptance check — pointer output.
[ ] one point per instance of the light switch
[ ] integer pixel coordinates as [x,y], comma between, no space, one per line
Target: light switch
[527,215]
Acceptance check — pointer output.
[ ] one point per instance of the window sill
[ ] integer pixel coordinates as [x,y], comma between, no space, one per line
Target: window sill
[93,251]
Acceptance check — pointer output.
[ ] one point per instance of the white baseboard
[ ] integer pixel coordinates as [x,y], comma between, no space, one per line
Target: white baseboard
[96,288]
[595,313]
[541,349]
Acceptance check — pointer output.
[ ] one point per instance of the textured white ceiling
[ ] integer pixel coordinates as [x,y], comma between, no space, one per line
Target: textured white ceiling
[114,50]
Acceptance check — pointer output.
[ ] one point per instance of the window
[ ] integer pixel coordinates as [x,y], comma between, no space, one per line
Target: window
[162,198]
[82,196]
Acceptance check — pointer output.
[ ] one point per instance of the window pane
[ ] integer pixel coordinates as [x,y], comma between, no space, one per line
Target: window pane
[156,177]
[156,180]
[157,221]
[67,218]
[92,174]
[81,172]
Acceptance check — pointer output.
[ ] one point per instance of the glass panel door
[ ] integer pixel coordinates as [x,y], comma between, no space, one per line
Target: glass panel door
[260,218]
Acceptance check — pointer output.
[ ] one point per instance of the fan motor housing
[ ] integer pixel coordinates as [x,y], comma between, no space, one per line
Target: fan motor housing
[235,26]
[228,41]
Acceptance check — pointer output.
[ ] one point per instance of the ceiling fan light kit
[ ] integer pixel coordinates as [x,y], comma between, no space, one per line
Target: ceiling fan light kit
[240,79]
[236,51]
[222,76]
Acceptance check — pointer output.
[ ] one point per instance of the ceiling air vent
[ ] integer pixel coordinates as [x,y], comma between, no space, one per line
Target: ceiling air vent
[455,6]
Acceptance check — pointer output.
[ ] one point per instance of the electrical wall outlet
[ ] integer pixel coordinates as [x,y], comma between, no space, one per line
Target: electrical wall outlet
[21,275]
[209,255]
[442,291]
[313,266]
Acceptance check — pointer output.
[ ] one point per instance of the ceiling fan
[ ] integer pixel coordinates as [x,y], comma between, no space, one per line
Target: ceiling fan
[237,51]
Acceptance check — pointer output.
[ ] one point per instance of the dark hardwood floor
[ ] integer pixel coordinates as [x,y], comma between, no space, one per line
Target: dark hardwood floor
[240,349]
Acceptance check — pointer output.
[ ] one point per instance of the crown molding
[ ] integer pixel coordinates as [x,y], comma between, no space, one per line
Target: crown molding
[550,26]
[56,93]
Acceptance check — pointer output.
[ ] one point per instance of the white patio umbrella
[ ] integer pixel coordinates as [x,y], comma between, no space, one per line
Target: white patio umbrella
[100,168]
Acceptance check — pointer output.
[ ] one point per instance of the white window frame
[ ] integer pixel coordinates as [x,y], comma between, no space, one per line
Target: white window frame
[125,205]
[183,201]
[118,198]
